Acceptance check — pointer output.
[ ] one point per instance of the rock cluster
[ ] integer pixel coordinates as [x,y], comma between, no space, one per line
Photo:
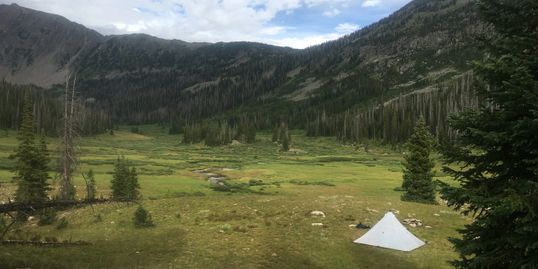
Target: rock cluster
[413,222]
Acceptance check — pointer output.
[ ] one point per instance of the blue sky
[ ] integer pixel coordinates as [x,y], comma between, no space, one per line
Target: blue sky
[293,23]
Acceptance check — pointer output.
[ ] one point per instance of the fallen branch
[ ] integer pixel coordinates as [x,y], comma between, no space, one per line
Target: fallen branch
[43,243]
[12,207]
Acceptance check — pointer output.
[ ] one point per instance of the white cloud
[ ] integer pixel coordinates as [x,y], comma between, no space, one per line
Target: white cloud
[331,13]
[200,20]
[314,39]
[304,42]
[383,3]
[371,3]
[346,28]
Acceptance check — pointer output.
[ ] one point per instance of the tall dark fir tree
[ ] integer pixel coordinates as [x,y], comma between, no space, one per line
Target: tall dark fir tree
[418,176]
[124,182]
[31,156]
[498,146]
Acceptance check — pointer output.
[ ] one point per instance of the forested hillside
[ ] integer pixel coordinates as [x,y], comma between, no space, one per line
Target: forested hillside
[334,89]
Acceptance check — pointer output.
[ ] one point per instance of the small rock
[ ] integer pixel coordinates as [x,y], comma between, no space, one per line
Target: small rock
[437,215]
[317,213]
[274,254]
[413,222]
[371,210]
[428,227]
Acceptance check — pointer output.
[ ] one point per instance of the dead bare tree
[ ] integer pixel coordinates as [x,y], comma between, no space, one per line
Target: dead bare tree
[68,154]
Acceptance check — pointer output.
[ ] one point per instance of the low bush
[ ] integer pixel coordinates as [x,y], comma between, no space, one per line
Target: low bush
[142,218]
[62,223]
[47,216]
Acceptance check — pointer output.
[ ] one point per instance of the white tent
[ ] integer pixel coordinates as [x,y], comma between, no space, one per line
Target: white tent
[390,233]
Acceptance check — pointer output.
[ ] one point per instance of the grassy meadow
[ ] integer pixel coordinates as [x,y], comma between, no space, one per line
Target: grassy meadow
[264,224]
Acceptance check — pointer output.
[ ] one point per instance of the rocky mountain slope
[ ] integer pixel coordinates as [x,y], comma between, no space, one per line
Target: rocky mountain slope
[40,48]
[143,79]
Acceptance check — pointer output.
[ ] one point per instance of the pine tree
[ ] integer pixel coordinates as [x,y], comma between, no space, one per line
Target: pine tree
[497,147]
[142,218]
[132,185]
[31,166]
[285,139]
[276,134]
[418,177]
[124,181]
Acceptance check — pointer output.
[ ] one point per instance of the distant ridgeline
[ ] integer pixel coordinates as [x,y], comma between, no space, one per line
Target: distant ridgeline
[414,62]
[48,111]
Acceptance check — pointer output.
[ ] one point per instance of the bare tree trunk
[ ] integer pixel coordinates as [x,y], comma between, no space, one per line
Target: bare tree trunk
[67,190]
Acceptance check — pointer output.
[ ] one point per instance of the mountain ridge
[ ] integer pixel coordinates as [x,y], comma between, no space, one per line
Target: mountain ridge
[143,79]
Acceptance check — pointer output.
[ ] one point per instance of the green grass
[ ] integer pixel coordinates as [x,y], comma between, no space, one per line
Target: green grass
[265,227]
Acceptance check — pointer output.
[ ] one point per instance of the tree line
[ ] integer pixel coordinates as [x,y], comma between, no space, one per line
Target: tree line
[217,133]
[48,110]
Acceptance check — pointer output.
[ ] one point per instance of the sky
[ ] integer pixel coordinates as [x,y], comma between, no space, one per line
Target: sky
[292,23]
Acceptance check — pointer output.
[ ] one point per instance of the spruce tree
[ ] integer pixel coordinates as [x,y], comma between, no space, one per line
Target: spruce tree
[418,177]
[497,147]
[124,181]
[285,142]
[132,185]
[285,138]
[31,166]
[276,134]
[142,218]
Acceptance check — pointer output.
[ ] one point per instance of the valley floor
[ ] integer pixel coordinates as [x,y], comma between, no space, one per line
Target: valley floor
[265,225]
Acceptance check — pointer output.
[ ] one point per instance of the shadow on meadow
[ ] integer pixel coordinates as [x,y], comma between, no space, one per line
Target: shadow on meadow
[147,249]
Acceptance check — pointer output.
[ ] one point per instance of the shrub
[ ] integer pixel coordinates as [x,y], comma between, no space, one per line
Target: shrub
[142,218]
[62,223]
[47,216]
[97,218]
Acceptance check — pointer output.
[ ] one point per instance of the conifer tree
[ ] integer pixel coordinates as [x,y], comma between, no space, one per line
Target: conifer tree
[276,134]
[133,186]
[285,144]
[285,138]
[497,146]
[418,177]
[142,218]
[31,166]
[124,181]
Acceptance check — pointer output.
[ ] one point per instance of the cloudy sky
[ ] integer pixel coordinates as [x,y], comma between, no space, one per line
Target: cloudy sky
[294,23]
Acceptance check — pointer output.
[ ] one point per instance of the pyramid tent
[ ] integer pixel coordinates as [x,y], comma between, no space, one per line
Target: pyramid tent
[390,233]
